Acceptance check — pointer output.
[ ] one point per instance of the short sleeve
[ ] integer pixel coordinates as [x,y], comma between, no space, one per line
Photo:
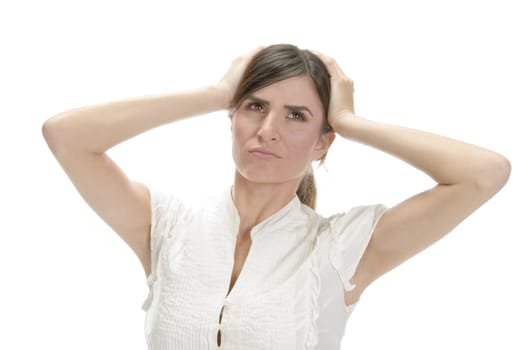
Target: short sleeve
[166,210]
[349,235]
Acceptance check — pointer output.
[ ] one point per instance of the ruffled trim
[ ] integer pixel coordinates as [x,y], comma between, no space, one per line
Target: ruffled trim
[166,211]
[336,256]
[341,243]
[150,283]
[314,269]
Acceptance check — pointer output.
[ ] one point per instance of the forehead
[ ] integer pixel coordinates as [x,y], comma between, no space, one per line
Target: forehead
[296,91]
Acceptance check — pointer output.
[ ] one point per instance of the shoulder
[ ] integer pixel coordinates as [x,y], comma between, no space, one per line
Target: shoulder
[357,217]
[170,199]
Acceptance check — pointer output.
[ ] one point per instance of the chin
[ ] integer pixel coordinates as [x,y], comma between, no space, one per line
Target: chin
[266,173]
[266,176]
[260,177]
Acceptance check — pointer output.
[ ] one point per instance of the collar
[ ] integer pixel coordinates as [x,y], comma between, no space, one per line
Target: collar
[291,209]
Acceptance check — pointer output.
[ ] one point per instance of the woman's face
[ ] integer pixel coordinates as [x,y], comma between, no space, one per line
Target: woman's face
[276,131]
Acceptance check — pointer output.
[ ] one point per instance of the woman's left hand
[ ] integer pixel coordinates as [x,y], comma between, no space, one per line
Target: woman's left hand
[342,92]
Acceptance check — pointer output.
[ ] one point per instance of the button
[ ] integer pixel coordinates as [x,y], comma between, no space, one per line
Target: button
[219,338]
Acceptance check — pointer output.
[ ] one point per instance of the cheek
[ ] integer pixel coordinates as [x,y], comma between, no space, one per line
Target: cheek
[302,144]
[241,134]
[238,140]
[240,129]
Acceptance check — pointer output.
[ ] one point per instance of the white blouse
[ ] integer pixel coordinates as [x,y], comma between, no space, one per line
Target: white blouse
[289,294]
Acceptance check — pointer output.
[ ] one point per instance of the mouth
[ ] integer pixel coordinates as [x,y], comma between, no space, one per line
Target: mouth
[264,153]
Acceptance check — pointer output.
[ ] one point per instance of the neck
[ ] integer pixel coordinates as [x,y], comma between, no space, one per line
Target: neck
[257,201]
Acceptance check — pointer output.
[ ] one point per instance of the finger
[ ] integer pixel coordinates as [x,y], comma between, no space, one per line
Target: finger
[334,69]
[326,59]
[331,64]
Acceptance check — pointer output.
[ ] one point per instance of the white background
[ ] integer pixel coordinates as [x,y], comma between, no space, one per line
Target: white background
[455,68]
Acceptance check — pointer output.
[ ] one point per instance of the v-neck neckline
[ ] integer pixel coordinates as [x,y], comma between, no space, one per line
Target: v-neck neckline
[273,218]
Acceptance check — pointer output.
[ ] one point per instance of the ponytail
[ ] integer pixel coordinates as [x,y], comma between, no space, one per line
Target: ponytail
[307,189]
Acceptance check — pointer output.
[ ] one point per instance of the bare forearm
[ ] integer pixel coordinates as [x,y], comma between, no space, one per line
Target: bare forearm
[98,128]
[446,160]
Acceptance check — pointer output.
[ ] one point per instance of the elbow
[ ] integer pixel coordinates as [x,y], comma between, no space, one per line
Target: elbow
[50,132]
[495,174]
[55,134]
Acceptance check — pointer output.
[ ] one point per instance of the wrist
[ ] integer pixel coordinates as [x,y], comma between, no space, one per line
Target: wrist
[221,95]
[343,124]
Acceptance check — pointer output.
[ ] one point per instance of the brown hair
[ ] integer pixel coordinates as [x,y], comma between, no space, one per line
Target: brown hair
[279,62]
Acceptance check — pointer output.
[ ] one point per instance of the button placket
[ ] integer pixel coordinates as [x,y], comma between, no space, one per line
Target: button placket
[226,304]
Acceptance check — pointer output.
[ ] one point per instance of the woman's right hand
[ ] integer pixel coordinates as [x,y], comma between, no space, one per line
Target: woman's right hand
[231,79]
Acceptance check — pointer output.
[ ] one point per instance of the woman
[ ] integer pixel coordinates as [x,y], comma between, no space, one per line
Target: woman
[305,273]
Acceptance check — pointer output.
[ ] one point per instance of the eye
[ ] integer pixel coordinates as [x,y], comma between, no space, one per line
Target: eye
[256,106]
[297,116]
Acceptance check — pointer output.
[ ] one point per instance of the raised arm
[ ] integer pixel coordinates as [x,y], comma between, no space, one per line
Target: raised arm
[466,175]
[80,137]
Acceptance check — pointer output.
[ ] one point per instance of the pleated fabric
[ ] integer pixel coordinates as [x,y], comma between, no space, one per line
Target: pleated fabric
[289,294]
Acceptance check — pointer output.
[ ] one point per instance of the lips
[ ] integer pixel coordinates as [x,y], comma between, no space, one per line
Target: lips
[263,152]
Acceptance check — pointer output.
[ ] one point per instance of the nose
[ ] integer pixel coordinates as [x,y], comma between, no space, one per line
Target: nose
[268,131]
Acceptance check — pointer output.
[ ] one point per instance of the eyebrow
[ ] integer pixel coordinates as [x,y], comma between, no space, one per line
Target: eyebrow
[290,107]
